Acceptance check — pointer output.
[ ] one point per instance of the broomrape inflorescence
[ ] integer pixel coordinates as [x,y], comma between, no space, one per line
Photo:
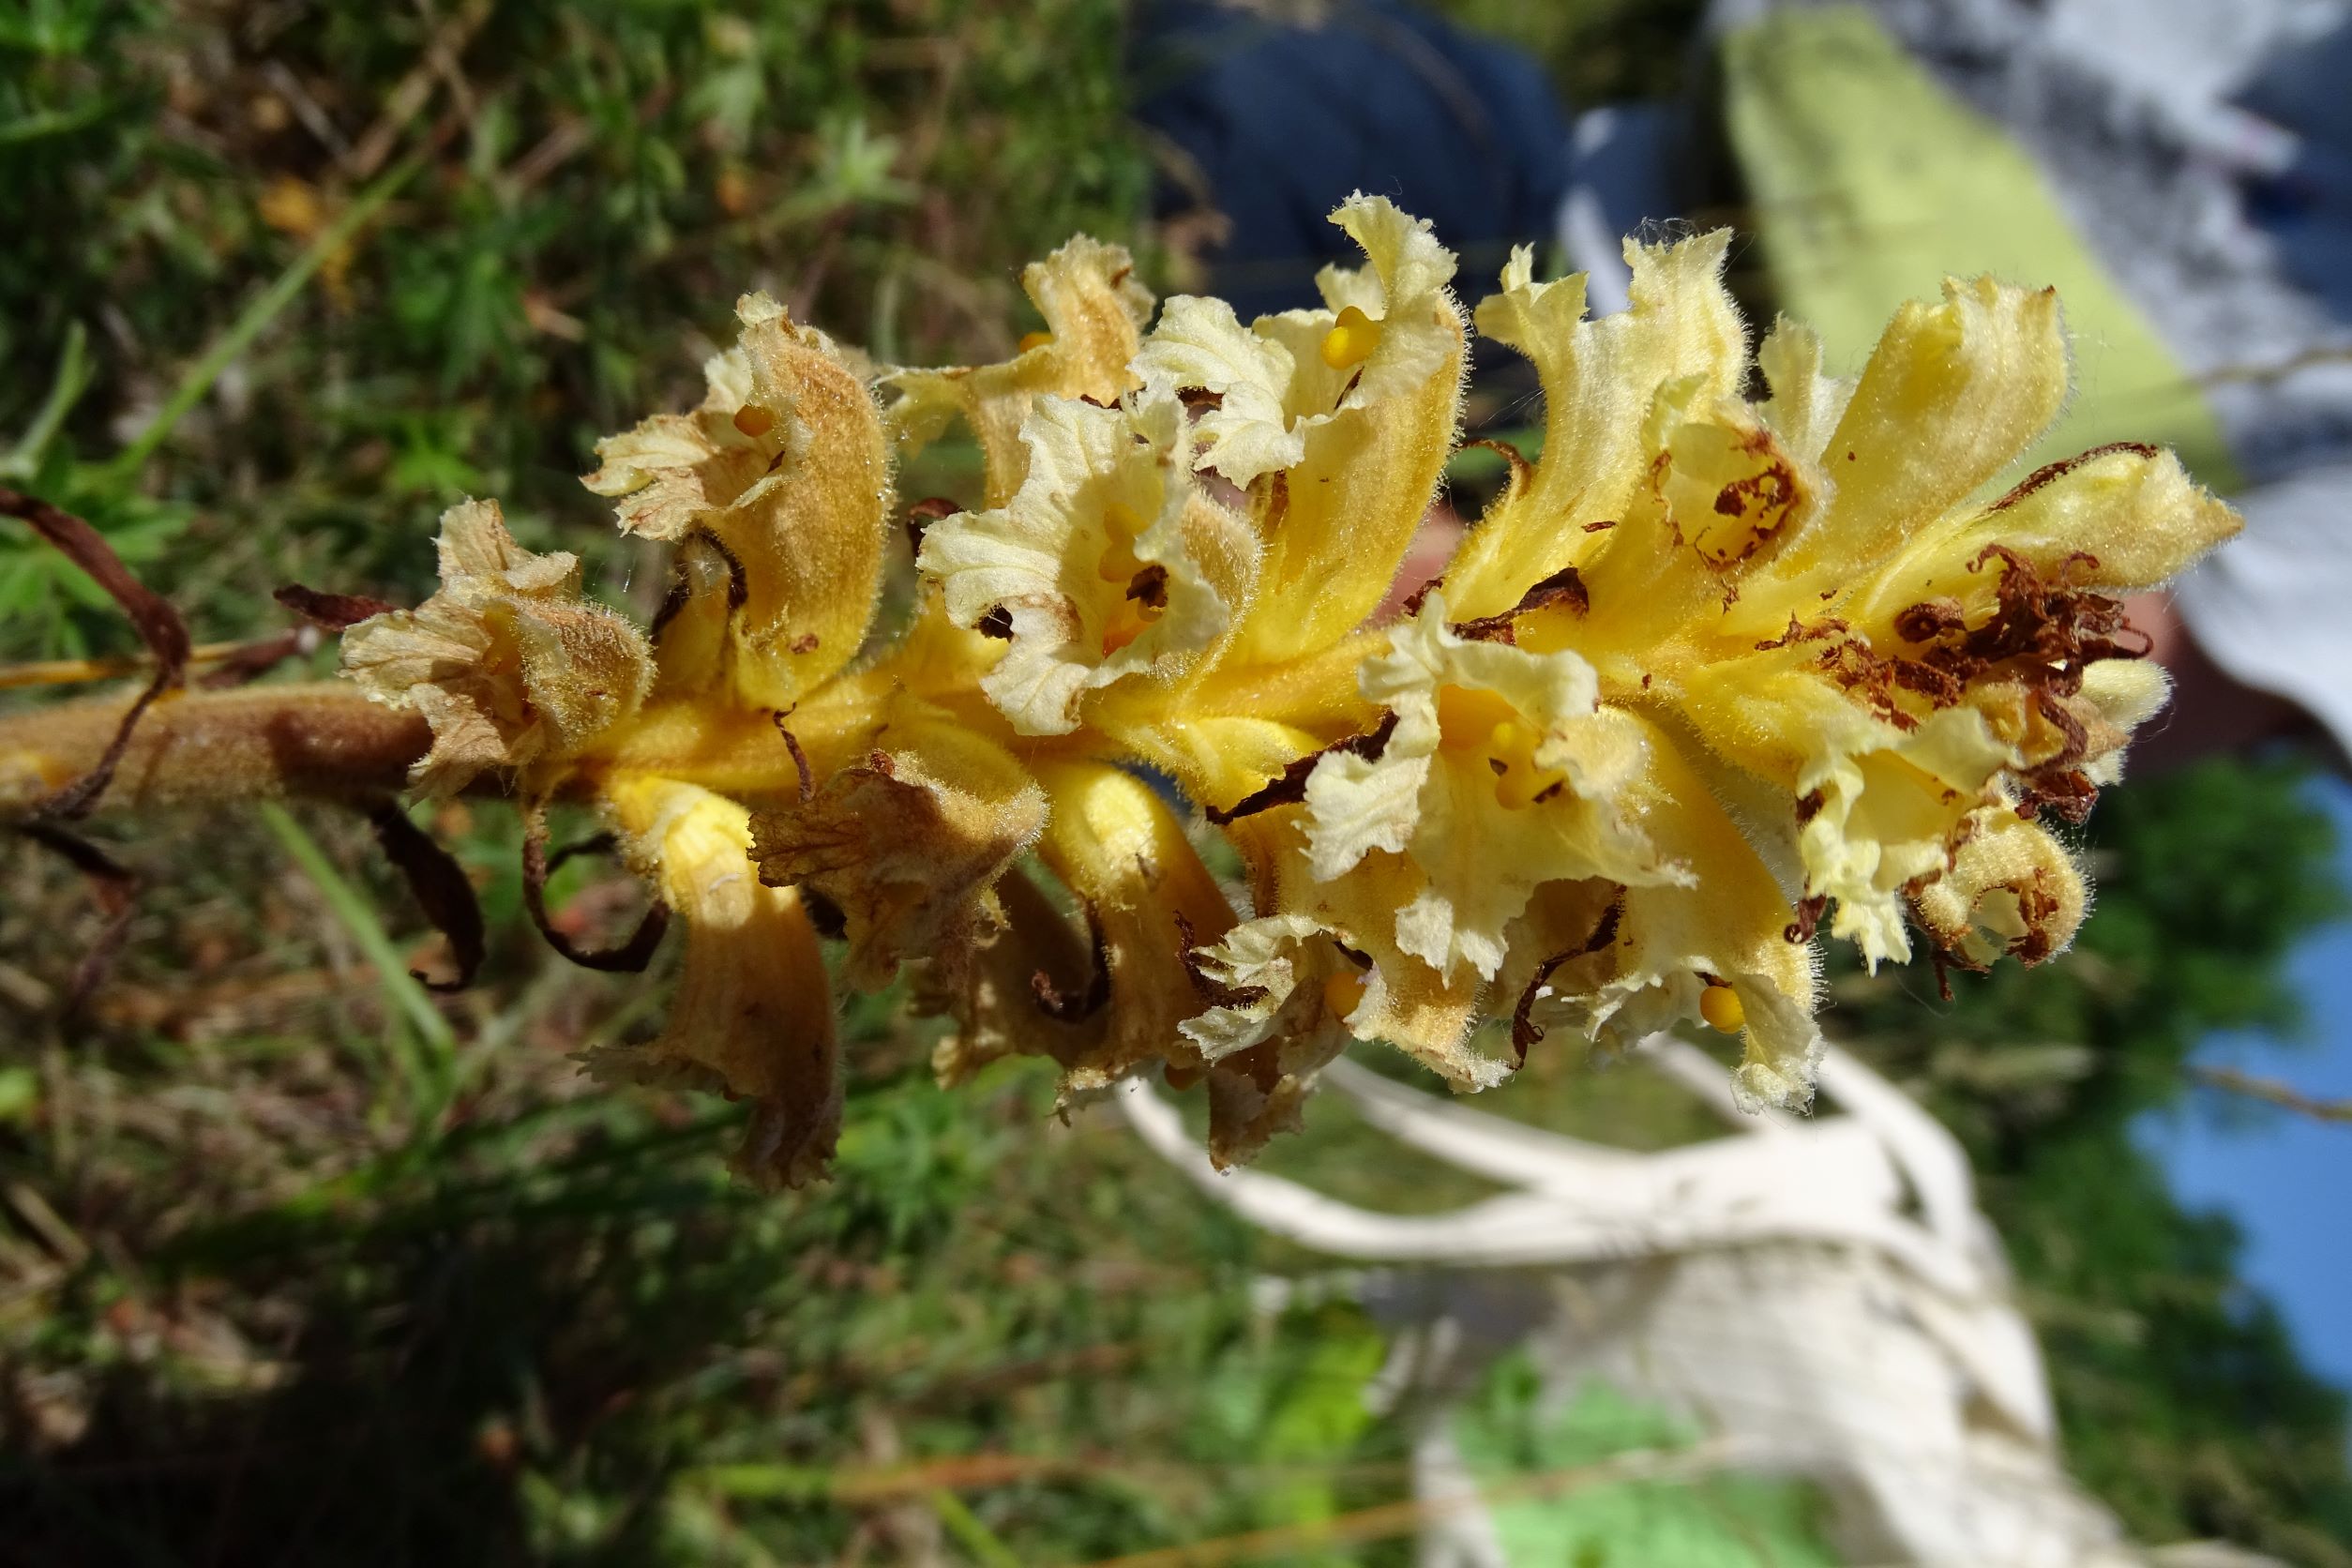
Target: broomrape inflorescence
[1713,671]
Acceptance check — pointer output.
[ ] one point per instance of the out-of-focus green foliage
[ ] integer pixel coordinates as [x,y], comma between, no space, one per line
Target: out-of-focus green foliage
[1598,51]
[2184,1404]
[600,181]
[1507,1436]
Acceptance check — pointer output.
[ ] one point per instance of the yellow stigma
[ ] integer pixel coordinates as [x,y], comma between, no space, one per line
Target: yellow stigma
[1468,716]
[1133,615]
[1035,340]
[1131,620]
[1120,563]
[1478,724]
[1720,1007]
[1343,993]
[1351,340]
[753,420]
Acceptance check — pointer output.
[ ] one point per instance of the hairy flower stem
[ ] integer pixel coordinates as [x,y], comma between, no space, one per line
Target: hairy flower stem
[316,740]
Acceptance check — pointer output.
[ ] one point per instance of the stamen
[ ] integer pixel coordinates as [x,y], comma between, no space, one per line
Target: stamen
[1468,716]
[1343,993]
[1351,340]
[1479,722]
[1721,1007]
[754,421]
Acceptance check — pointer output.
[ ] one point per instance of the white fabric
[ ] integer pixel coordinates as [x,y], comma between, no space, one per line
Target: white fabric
[2274,608]
[1822,1295]
[2136,110]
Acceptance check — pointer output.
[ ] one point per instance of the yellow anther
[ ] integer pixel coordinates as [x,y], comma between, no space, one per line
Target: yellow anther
[753,420]
[1351,340]
[1033,340]
[1720,1007]
[1343,993]
[1486,727]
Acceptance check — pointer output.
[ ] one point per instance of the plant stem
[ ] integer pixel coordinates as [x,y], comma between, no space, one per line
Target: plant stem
[315,740]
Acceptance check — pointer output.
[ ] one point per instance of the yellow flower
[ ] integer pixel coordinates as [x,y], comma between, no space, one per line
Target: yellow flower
[1109,562]
[779,487]
[1810,599]
[1498,772]
[1343,417]
[1094,309]
[510,666]
[753,1016]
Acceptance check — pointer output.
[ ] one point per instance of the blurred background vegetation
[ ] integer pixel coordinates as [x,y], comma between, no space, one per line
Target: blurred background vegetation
[298,1263]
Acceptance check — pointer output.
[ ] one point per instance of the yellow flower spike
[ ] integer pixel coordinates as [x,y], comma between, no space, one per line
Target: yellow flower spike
[1712,666]
[753,1016]
[1049,570]
[1094,309]
[785,470]
[1120,852]
[907,844]
[510,666]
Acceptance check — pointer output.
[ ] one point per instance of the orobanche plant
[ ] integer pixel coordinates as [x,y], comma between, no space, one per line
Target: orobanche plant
[1715,672]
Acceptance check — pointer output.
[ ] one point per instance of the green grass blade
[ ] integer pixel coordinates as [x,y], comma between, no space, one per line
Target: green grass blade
[976,1539]
[259,313]
[409,1000]
[65,390]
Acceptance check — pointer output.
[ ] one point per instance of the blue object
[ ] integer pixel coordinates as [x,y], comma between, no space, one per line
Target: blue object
[2282,1177]
[2308,90]
[1277,124]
